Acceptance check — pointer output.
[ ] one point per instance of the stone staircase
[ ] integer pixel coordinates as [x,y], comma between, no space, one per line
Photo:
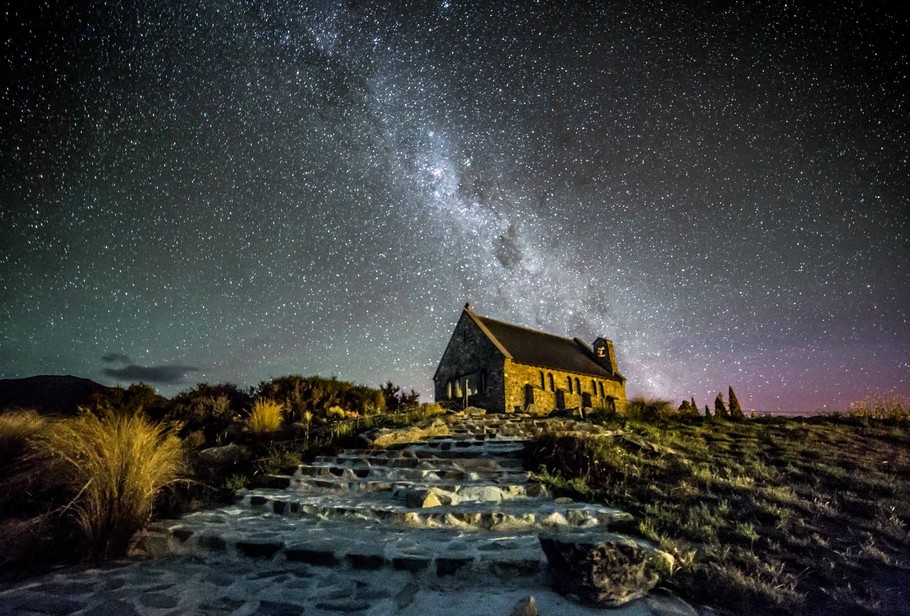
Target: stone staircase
[455,504]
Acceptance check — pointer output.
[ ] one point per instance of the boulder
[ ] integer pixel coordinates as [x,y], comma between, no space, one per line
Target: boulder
[432,497]
[525,607]
[603,570]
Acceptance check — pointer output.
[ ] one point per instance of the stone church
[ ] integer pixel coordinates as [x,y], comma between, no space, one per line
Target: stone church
[505,368]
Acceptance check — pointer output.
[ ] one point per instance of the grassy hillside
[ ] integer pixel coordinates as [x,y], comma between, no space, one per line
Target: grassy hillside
[766,515]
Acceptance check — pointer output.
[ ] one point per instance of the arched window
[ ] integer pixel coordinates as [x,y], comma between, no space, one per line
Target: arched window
[570,383]
[543,383]
[552,383]
[593,387]
[601,389]
[577,386]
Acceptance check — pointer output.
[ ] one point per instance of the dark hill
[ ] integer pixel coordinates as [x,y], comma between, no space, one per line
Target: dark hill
[48,393]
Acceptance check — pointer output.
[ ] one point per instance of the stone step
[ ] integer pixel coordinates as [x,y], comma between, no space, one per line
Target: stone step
[465,490]
[432,474]
[422,551]
[527,514]
[364,460]
[469,444]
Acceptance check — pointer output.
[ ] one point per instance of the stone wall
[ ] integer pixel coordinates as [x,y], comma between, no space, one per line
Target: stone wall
[546,399]
[470,351]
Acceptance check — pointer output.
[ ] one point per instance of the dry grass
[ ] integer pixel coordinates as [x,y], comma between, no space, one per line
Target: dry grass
[782,515]
[266,416]
[114,465]
[16,428]
[893,408]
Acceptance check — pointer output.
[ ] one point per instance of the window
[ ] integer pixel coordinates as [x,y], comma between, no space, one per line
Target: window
[468,384]
[577,386]
[552,383]
[594,387]
[543,383]
[601,389]
[570,383]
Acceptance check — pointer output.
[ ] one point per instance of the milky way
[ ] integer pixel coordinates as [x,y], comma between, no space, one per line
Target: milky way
[233,191]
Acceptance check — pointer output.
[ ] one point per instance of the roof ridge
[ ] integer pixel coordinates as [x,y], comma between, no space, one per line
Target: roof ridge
[527,329]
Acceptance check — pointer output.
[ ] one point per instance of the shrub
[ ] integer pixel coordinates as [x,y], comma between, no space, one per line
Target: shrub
[266,416]
[648,408]
[212,410]
[114,465]
[890,409]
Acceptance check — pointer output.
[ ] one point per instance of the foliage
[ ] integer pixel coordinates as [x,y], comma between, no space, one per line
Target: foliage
[736,411]
[317,395]
[772,515]
[16,429]
[396,399]
[137,398]
[265,417]
[645,407]
[113,465]
[720,409]
[893,409]
[209,409]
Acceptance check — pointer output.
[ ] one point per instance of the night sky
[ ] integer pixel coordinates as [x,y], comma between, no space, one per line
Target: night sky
[236,190]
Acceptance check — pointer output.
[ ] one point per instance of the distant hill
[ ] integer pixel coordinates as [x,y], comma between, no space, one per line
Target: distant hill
[48,393]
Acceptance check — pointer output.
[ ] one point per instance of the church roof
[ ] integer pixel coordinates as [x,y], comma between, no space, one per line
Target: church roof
[527,346]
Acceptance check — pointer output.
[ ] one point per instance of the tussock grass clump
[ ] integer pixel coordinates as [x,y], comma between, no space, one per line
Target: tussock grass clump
[265,417]
[16,429]
[114,465]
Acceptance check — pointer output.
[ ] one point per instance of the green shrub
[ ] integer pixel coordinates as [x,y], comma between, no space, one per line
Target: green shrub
[113,465]
[266,417]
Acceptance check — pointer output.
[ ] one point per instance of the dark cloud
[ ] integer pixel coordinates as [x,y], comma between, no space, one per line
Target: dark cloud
[115,358]
[164,375]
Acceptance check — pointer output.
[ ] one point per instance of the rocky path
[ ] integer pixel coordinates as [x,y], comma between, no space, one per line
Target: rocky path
[444,525]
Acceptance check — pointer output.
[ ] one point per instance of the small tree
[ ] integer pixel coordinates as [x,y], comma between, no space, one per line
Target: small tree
[720,409]
[736,411]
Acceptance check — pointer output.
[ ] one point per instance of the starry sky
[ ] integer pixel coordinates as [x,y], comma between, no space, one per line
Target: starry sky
[235,190]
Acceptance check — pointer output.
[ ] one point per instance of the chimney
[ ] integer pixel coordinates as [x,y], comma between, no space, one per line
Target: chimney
[603,351]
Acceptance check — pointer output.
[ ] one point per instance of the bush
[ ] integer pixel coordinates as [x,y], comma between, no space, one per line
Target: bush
[113,465]
[894,409]
[648,408]
[266,417]
[212,410]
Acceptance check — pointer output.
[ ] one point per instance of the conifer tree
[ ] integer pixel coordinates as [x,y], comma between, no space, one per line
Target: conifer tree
[707,411]
[720,409]
[736,411]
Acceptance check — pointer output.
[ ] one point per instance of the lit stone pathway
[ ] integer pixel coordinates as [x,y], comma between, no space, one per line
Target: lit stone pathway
[448,525]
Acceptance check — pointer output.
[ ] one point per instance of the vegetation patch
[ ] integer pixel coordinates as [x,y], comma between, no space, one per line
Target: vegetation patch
[769,515]
[79,487]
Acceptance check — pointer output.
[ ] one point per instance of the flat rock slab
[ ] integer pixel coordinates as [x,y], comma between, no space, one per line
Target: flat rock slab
[184,586]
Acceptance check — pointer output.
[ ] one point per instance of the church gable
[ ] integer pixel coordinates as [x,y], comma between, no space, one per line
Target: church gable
[505,367]
[471,366]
